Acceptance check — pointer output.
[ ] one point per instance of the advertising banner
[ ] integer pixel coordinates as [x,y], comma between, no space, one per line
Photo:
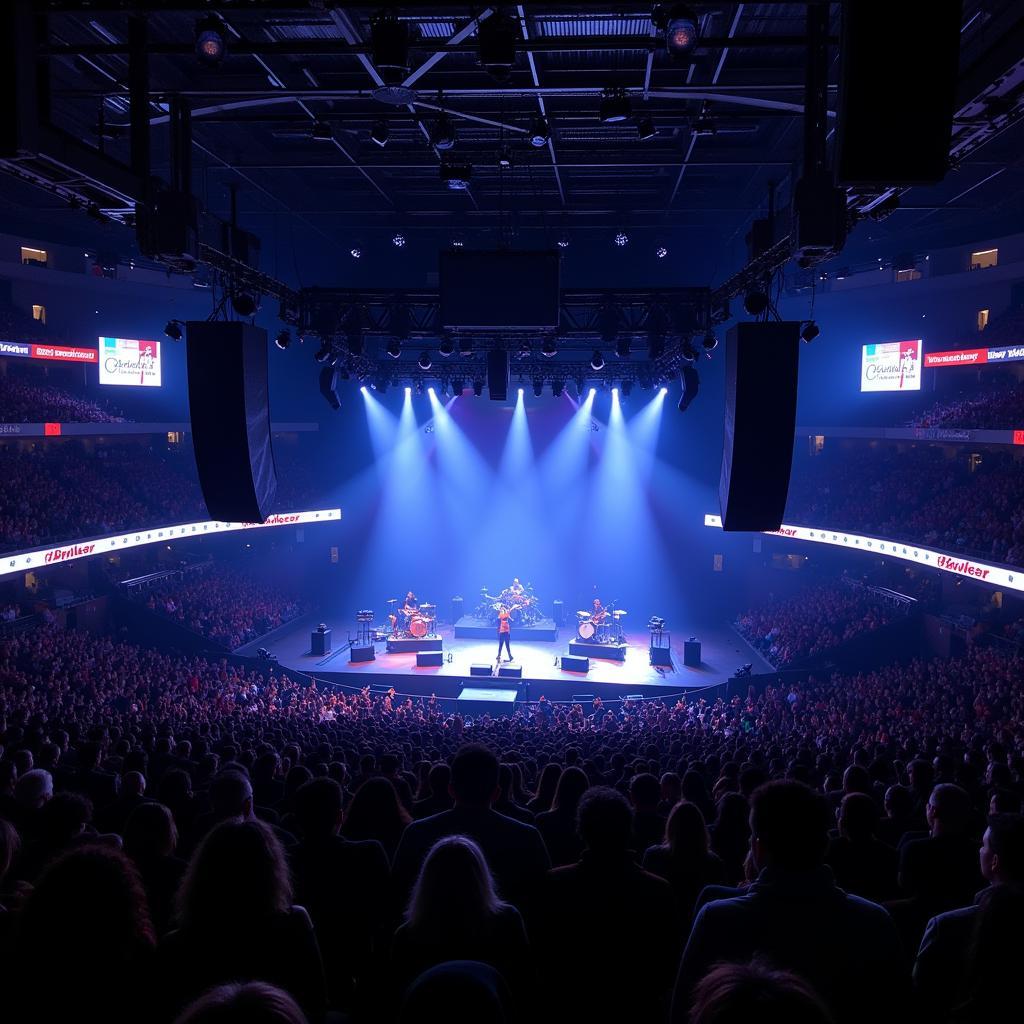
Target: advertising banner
[891,366]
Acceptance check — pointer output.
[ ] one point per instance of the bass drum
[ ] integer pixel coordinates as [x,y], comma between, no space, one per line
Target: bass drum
[418,627]
[586,630]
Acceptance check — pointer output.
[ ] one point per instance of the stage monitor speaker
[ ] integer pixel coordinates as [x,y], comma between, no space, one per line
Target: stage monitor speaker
[510,671]
[897,92]
[229,406]
[691,653]
[367,653]
[761,361]
[574,663]
[320,641]
[481,670]
[429,659]
[497,375]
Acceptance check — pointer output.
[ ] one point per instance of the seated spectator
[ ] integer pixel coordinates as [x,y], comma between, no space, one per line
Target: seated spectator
[32,791]
[684,860]
[455,911]
[438,798]
[237,922]
[252,1003]
[730,834]
[85,943]
[862,865]
[150,840]
[514,852]
[345,886]
[741,993]
[589,906]
[558,826]
[949,966]
[505,804]
[376,813]
[794,915]
[458,992]
[648,822]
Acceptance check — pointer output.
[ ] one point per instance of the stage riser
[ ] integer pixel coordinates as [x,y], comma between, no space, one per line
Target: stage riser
[468,628]
[411,645]
[613,652]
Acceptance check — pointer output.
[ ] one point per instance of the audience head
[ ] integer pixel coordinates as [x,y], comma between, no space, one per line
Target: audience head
[455,890]
[474,781]
[439,778]
[231,795]
[686,833]
[254,1002]
[237,874]
[150,832]
[644,791]
[572,784]
[858,817]
[948,810]
[1002,850]
[133,784]
[458,992]
[605,820]
[34,789]
[788,826]
[10,843]
[743,993]
[318,806]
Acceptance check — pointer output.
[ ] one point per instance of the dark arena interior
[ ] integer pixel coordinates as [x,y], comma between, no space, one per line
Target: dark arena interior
[511,513]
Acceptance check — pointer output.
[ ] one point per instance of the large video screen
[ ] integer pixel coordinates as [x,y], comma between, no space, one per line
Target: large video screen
[891,366]
[130,362]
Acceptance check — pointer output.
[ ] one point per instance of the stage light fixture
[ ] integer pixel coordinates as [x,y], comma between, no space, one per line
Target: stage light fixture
[661,252]
[380,133]
[622,348]
[458,386]
[520,392]
[394,348]
[615,106]
[457,177]
[425,362]
[398,241]
[447,347]
[549,347]
[563,242]
[321,132]
[505,157]
[173,330]
[389,45]
[355,252]
[627,388]
[211,40]
[687,351]
[755,302]
[442,135]
[621,239]
[557,387]
[244,304]
[478,388]
[682,31]
[457,243]
[538,387]
[579,382]
[496,40]
[283,339]
[810,331]
[710,341]
[597,360]
[323,353]
[540,133]
[645,128]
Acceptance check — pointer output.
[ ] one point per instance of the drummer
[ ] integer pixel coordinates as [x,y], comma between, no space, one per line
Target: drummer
[517,589]
[411,604]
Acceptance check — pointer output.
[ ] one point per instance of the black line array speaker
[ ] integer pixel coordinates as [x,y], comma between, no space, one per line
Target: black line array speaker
[497,375]
[229,406]
[329,387]
[897,91]
[761,361]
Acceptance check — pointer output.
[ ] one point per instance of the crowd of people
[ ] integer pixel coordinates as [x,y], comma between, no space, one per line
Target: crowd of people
[227,605]
[963,503]
[815,620]
[195,840]
[996,407]
[30,401]
[62,489]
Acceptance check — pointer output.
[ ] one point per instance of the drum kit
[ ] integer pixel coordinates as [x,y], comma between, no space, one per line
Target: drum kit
[603,628]
[522,604]
[415,623]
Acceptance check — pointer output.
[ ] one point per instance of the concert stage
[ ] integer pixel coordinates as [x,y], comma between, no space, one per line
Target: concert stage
[608,677]
[471,628]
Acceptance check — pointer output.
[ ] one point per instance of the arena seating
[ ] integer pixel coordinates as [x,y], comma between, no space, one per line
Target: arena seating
[202,800]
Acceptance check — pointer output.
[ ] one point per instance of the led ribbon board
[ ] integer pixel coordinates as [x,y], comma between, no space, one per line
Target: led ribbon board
[38,558]
[958,565]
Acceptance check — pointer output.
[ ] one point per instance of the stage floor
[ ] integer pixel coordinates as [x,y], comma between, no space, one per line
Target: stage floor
[723,651]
